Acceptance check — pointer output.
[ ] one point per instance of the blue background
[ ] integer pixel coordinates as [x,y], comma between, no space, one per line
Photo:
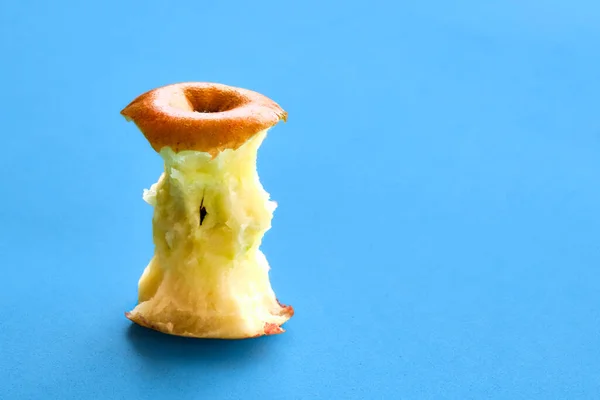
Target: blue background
[438,185]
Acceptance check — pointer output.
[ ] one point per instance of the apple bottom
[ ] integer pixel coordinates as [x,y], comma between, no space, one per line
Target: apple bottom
[269,328]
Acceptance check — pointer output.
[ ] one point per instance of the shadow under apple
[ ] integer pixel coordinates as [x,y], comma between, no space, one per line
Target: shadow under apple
[168,349]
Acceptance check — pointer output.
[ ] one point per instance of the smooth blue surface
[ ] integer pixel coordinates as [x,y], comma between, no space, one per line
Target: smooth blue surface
[438,181]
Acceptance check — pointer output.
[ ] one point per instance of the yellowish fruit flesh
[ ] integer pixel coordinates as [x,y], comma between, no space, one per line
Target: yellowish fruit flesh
[208,277]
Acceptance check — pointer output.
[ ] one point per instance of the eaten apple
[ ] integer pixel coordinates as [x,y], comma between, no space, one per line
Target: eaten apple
[208,277]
